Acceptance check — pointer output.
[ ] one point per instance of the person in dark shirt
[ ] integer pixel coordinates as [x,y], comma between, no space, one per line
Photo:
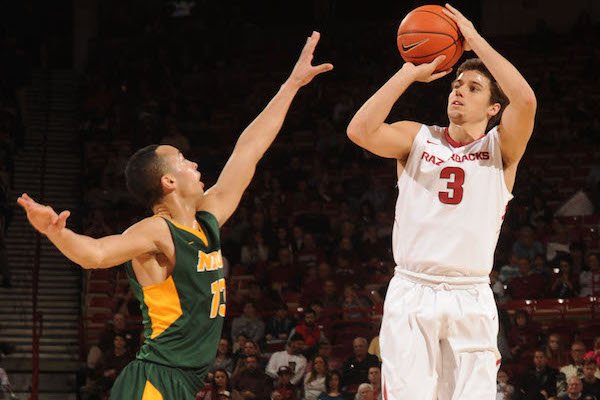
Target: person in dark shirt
[539,383]
[591,384]
[356,368]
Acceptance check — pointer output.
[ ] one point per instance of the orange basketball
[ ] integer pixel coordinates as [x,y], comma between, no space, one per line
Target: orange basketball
[425,33]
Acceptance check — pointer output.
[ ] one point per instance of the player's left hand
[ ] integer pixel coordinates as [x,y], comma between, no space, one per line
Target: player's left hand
[466,27]
[43,218]
[304,71]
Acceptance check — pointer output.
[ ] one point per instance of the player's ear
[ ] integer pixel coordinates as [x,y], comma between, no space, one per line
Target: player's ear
[494,109]
[168,183]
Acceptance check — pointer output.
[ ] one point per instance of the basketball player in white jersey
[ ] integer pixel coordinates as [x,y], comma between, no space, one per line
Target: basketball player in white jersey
[439,328]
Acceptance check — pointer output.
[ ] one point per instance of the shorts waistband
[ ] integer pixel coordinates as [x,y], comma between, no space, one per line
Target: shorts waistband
[450,282]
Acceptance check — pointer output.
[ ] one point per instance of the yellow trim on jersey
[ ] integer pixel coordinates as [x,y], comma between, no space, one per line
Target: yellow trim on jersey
[151,393]
[198,233]
[163,305]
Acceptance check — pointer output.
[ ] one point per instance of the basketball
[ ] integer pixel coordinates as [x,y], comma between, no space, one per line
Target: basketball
[425,33]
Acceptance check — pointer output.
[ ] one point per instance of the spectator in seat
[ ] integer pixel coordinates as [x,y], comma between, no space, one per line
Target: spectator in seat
[575,368]
[556,353]
[312,333]
[364,392]
[504,390]
[291,357]
[314,381]
[591,383]
[565,283]
[356,368]
[279,325]
[220,385]
[223,359]
[574,388]
[249,324]
[538,383]
[251,382]
[333,383]
[285,388]
[523,336]
[586,282]
[528,285]
[510,270]
[526,246]
[595,353]
[375,381]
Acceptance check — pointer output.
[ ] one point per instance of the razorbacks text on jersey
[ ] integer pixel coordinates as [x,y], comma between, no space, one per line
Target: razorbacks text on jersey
[451,203]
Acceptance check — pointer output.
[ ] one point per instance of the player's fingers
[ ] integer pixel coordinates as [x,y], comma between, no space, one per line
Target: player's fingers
[438,60]
[311,43]
[440,74]
[454,10]
[62,218]
[449,14]
[323,68]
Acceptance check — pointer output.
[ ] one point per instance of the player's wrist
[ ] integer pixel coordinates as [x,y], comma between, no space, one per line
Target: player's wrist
[291,85]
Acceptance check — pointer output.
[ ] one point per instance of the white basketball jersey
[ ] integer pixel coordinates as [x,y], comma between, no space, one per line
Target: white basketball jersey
[451,204]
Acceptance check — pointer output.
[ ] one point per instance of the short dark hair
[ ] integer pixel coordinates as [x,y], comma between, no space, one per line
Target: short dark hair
[142,175]
[496,93]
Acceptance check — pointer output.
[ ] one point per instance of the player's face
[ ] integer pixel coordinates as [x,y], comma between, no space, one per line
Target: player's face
[469,99]
[183,172]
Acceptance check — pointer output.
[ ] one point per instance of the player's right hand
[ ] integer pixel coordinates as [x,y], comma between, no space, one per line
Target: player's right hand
[304,71]
[426,72]
[43,218]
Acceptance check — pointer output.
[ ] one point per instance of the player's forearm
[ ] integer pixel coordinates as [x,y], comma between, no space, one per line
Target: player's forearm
[82,250]
[511,81]
[260,134]
[374,111]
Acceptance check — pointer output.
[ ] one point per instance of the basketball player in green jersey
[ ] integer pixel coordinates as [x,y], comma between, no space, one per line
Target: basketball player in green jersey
[173,258]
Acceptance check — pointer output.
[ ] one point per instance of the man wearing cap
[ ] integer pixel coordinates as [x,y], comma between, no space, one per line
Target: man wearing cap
[284,386]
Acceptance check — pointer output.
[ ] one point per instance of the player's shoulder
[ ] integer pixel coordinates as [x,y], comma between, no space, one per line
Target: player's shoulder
[152,226]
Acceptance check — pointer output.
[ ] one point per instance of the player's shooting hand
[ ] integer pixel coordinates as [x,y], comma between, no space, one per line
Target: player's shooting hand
[304,71]
[43,218]
[466,27]
[426,72]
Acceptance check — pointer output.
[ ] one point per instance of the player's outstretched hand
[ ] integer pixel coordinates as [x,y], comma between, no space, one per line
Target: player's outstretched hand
[43,218]
[304,71]
[426,72]
[465,26]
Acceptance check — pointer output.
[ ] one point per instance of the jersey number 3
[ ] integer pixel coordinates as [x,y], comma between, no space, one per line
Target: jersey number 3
[456,179]
[216,288]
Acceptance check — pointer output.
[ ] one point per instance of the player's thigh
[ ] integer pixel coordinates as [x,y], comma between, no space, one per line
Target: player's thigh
[473,345]
[409,341]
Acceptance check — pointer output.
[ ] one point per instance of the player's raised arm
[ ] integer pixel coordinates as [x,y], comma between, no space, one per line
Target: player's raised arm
[516,124]
[109,251]
[222,199]
[368,128]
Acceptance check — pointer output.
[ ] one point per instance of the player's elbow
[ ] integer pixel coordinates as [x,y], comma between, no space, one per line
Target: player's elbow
[354,132]
[527,99]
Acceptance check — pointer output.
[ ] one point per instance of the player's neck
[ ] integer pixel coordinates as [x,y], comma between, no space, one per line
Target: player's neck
[466,133]
[178,210]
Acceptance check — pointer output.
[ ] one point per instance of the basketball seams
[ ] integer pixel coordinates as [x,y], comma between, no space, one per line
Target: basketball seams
[443,17]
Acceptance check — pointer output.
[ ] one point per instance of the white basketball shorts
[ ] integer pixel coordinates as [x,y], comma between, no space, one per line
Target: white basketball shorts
[438,340]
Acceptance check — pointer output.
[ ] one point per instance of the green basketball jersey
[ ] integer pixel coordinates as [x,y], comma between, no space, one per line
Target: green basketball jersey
[183,316]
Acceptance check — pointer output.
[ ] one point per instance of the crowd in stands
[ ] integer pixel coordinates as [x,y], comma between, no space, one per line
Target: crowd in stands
[308,251]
